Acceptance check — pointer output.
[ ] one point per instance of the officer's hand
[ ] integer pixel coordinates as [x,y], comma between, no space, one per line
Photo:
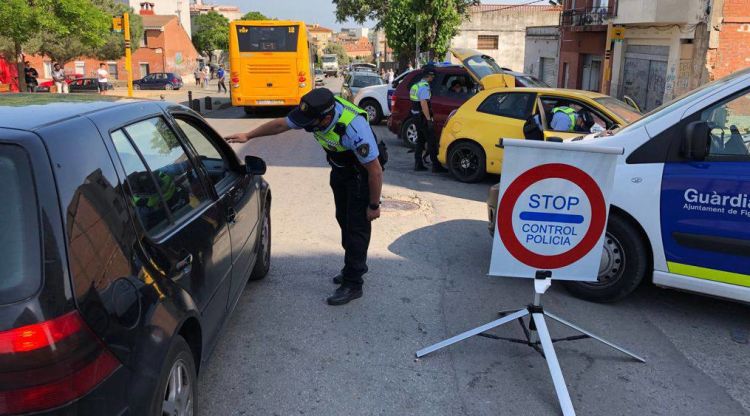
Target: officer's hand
[373,214]
[237,138]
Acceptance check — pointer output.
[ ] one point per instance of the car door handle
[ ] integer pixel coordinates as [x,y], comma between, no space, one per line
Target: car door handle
[184,263]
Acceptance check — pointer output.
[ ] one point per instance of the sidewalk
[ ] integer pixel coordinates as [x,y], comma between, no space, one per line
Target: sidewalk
[219,100]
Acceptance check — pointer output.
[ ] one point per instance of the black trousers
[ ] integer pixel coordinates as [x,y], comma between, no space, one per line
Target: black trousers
[426,136]
[351,193]
[222,85]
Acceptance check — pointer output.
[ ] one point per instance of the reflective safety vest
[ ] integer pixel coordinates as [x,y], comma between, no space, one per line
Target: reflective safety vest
[168,189]
[570,113]
[414,92]
[331,140]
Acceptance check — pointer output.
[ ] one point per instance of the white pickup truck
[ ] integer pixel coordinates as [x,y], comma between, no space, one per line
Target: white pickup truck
[330,65]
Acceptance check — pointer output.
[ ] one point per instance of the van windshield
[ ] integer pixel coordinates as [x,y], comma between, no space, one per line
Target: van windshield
[20,253]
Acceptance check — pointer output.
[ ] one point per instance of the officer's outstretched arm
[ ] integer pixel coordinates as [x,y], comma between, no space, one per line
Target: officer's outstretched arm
[273,127]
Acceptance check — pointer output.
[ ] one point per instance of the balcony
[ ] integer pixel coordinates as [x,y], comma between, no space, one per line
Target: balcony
[586,17]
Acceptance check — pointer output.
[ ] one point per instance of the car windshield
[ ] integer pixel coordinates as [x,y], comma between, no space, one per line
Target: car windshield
[622,110]
[696,95]
[366,81]
[20,255]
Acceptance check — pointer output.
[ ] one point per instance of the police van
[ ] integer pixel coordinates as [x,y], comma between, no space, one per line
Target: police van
[681,198]
[680,209]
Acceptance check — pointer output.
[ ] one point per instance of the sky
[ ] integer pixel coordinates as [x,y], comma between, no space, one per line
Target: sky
[310,11]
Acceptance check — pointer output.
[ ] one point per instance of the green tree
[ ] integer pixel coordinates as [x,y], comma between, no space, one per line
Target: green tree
[21,22]
[340,52]
[114,42]
[210,32]
[253,15]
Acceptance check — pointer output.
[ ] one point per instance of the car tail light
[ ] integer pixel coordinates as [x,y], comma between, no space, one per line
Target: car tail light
[48,364]
[393,101]
[235,79]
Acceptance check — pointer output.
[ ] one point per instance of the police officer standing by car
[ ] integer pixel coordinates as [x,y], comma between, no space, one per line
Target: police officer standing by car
[351,149]
[420,95]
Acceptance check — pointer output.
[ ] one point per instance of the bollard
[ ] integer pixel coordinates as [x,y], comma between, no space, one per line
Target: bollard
[208,104]
[196,105]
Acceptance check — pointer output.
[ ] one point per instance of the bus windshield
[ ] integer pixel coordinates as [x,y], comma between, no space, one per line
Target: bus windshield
[267,38]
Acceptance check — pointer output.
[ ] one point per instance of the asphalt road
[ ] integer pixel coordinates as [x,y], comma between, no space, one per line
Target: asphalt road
[285,352]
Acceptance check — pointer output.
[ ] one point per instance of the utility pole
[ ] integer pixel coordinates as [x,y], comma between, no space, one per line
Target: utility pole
[128,62]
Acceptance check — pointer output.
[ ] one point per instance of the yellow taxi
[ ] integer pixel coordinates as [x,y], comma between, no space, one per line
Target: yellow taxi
[468,143]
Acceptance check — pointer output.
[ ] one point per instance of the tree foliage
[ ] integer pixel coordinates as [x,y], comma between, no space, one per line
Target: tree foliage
[114,43]
[254,15]
[210,32]
[340,52]
[438,21]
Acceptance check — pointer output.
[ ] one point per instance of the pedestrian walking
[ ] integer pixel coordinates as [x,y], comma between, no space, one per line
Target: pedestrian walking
[390,76]
[58,76]
[221,76]
[356,177]
[197,74]
[102,78]
[206,76]
[421,108]
[30,76]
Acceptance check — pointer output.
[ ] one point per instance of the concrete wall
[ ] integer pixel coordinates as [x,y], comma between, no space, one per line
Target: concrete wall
[573,47]
[660,11]
[509,25]
[541,42]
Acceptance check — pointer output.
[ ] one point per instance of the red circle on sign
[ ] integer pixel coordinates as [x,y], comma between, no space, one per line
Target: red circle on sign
[532,176]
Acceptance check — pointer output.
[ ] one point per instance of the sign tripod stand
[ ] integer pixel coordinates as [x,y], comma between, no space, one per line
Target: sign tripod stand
[542,282]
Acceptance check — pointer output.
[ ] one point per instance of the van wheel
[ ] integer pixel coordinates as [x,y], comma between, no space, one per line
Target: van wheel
[623,266]
[176,392]
[409,133]
[467,162]
[263,263]
[374,113]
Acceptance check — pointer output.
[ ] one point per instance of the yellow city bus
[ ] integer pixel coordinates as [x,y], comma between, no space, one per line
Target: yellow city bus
[271,63]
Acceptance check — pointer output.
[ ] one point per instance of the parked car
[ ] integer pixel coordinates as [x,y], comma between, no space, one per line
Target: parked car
[89,85]
[679,211]
[46,86]
[159,81]
[468,144]
[357,80]
[471,74]
[319,77]
[376,99]
[128,230]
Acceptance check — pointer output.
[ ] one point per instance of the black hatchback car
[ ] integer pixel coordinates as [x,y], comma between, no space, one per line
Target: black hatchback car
[128,230]
[159,81]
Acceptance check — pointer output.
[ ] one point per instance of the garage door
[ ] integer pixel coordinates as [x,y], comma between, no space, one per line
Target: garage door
[644,75]
[548,71]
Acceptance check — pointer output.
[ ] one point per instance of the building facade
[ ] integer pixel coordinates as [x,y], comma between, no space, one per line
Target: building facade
[541,56]
[359,50]
[179,8]
[583,38]
[320,37]
[200,7]
[499,30]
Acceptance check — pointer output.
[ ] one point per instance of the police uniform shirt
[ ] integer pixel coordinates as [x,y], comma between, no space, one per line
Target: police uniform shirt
[359,137]
[560,122]
[423,93]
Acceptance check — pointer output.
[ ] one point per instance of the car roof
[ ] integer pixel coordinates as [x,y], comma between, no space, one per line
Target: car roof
[31,111]
[555,91]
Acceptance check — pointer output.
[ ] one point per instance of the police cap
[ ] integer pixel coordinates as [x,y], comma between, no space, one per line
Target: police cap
[313,106]
[428,69]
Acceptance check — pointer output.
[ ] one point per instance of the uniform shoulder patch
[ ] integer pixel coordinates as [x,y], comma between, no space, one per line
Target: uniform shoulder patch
[363,150]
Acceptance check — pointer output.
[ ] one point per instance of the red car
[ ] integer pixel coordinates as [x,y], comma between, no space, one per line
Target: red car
[477,72]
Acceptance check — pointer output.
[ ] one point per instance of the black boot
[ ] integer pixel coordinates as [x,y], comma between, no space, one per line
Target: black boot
[437,168]
[419,166]
[338,279]
[344,295]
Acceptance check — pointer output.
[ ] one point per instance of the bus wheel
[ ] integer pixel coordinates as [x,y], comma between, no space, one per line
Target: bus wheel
[624,264]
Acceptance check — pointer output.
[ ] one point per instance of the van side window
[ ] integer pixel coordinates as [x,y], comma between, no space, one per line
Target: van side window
[730,127]
[163,184]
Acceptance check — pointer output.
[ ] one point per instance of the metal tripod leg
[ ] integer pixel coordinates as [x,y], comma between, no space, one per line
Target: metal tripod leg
[603,341]
[460,337]
[554,366]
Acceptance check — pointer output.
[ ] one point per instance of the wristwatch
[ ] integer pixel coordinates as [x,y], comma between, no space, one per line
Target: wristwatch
[374,207]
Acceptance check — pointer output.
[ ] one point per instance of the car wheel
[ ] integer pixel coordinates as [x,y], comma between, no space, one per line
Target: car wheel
[623,266]
[467,162]
[263,264]
[136,87]
[176,392]
[374,113]
[409,133]
[169,87]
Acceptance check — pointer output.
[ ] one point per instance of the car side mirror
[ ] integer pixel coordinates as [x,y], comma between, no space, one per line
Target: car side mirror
[697,141]
[255,165]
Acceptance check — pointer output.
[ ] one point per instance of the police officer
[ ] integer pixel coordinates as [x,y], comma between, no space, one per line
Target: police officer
[565,118]
[421,109]
[351,149]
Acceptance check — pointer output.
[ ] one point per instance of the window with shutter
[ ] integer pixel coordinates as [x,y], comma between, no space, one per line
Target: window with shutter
[487,42]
